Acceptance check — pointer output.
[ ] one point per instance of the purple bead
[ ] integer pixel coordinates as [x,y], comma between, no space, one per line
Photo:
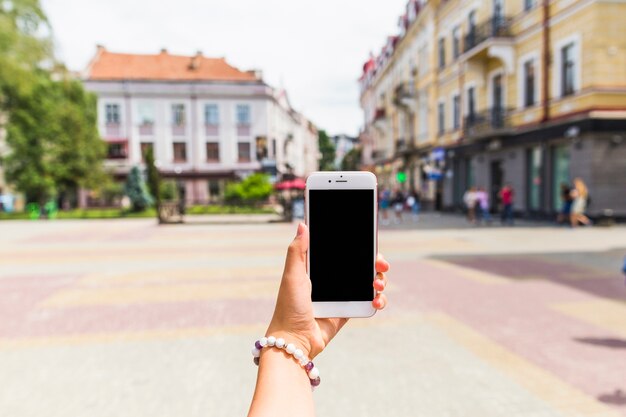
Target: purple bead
[256,361]
[315,382]
[309,366]
[258,345]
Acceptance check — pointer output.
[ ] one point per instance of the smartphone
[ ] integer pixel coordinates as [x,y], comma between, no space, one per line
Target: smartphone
[341,215]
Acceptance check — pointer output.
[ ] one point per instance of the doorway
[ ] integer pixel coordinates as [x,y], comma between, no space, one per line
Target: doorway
[497,181]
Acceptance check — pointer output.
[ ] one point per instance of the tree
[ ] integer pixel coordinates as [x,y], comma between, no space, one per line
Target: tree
[154,181]
[327,149]
[136,190]
[55,148]
[352,160]
[250,191]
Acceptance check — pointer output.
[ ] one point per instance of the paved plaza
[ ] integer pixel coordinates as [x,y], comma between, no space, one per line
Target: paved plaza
[125,318]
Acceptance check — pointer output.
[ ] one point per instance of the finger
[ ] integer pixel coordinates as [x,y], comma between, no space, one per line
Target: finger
[380,301]
[381,264]
[380,282]
[295,265]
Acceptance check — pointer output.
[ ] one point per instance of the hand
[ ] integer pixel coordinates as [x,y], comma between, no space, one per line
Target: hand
[293,316]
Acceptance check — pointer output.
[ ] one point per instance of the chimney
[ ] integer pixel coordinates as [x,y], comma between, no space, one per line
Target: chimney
[163,51]
[100,48]
[258,74]
[195,61]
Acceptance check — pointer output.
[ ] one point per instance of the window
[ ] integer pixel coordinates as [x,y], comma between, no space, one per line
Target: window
[243,151]
[178,114]
[211,115]
[180,152]
[471,103]
[116,151]
[442,53]
[529,83]
[145,147]
[441,118]
[243,115]
[529,4]
[567,70]
[534,180]
[274,148]
[471,30]
[112,112]
[214,189]
[456,111]
[560,173]
[456,42]
[213,152]
[146,114]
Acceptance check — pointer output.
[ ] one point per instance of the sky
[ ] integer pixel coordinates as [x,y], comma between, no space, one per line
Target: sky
[314,49]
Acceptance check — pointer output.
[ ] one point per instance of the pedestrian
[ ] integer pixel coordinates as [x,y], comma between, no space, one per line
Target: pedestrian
[283,388]
[580,195]
[398,205]
[413,202]
[482,204]
[566,204]
[469,198]
[385,202]
[506,195]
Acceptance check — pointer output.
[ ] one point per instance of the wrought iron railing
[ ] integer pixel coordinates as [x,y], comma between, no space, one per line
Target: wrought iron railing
[496,27]
[487,121]
[404,93]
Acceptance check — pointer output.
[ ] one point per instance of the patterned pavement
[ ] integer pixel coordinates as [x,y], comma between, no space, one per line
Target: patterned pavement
[124,318]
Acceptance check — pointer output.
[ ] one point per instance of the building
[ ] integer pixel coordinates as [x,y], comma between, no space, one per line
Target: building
[207,122]
[526,92]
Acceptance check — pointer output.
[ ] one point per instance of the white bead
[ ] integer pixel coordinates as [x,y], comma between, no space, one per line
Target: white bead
[314,373]
[271,340]
[280,342]
[298,354]
[291,348]
[256,352]
[303,361]
[263,341]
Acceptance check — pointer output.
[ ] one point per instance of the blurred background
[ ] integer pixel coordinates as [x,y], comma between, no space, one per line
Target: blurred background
[153,160]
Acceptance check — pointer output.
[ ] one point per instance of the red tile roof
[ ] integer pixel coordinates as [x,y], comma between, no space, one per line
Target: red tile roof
[163,66]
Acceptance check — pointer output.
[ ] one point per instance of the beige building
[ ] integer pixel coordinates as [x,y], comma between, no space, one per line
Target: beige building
[483,93]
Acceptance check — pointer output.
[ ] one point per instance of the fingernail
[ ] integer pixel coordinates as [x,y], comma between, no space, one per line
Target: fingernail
[300,229]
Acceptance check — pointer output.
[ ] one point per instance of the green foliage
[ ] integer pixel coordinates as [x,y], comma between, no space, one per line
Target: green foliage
[220,209]
[250,191]
[169,191]
[53,138]
[352,160]
[327,149]
[137,191]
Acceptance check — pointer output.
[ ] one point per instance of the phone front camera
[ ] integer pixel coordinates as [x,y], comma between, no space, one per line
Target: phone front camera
[328,180]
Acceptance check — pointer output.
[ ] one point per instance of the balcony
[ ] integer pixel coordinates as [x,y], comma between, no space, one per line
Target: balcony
[490,122]
[380,119]
[146,129]
[405,96]
[211,130]
[491,39]
[178,130]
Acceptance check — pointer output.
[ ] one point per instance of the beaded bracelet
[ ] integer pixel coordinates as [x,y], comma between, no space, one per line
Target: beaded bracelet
[290,348]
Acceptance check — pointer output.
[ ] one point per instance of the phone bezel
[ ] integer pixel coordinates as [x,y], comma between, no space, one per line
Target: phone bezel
[348,180]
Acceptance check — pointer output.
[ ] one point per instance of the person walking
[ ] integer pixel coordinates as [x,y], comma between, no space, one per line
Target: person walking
[566,200]
[413,202]
[482,203]
[469,198]
[385,202]
[506,195]
[580,195]
[398,205]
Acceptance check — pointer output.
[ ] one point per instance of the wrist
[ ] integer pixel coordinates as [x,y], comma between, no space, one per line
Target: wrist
[300,341]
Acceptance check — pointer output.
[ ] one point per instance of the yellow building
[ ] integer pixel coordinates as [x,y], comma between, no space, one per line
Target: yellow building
[482,93]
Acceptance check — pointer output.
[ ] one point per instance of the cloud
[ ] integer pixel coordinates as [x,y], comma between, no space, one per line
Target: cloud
[314,49]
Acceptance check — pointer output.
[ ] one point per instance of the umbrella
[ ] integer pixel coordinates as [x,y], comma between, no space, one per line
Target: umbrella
[296,184]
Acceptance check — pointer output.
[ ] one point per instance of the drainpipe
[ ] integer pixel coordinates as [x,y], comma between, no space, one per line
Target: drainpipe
[546,61]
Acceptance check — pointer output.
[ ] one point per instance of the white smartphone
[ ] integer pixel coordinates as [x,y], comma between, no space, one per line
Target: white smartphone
[341,215]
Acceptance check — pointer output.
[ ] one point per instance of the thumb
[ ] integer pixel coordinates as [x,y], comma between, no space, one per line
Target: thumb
[296,254]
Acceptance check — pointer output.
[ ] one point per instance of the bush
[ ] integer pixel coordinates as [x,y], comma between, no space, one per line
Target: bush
[251,191]
[136,190]
[169,191]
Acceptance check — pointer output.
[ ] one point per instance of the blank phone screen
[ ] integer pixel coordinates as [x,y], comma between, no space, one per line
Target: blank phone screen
[341,249]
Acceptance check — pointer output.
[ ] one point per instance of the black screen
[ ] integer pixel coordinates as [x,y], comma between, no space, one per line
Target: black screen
[341,250]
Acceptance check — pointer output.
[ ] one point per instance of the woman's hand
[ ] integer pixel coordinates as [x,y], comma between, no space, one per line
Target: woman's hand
[293,316]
